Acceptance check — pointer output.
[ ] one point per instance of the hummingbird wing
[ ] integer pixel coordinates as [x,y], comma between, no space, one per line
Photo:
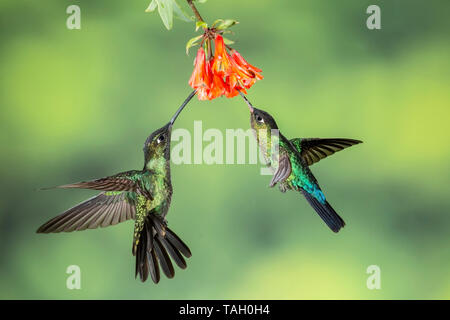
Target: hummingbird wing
[124,181]
[283,171]
[105,209]
[313,150]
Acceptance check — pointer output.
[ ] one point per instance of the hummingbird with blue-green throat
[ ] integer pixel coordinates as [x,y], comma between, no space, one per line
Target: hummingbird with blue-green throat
[295,156]
[142,195]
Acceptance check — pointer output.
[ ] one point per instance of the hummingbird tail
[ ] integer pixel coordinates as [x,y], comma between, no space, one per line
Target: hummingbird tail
[156,246]
[326,212]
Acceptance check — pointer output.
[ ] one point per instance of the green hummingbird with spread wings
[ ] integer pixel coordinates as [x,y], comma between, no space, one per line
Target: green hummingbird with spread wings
[295,156]
[142,195]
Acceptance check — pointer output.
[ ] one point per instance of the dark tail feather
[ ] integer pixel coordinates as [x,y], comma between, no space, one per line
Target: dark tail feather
[154,267]
[326,212]
[156,245]
[174,253]
[164,259]
[142,264]
[151,257]
[178,243]
[145,263]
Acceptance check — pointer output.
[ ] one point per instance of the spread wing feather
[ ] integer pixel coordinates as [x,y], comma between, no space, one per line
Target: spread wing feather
[105,209]
[313,150]
[120,182]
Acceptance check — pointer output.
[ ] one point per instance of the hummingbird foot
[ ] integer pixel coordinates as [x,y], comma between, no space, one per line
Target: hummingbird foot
[282,187]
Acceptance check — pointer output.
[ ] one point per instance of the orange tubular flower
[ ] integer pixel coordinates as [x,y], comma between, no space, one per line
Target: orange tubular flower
[231,91]
[218,87]
[245,72]
[245,65]
[201,78]
[222,75]
[222,64]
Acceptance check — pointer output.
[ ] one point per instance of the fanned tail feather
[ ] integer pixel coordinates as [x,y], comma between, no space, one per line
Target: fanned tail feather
[157,244]
[326,212]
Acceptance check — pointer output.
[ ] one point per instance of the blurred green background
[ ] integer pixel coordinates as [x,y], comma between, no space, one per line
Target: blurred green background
[78,104]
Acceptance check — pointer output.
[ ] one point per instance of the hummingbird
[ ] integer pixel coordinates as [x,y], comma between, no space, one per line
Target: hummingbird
[295,156]
[142,195]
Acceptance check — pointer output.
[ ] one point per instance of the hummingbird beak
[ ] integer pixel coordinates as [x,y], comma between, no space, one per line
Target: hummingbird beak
[250,106]
[175,116]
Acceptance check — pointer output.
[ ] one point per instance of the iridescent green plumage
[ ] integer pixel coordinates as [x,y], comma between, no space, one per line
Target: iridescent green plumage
[291,166]
[143,195]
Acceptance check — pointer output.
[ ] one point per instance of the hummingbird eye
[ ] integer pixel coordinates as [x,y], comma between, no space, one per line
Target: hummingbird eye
[160,138]
[259,118]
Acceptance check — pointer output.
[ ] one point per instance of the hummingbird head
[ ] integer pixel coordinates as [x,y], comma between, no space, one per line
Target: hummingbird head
[261,120]
[157,145]
[263,125]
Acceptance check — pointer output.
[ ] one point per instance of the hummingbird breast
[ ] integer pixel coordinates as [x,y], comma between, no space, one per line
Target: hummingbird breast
[162,194]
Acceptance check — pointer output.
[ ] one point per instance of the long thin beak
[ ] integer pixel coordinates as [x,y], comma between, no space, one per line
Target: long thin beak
[250,106]
[175,116]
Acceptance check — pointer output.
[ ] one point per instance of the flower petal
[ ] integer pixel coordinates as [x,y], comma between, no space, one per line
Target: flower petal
[222,63]
[201,78]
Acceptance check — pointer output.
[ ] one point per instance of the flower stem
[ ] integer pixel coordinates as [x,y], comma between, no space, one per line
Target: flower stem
[194,9]
[200,19]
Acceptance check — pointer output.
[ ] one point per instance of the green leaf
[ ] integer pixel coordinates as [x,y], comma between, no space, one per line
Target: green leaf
[225,24]
[216,22]
[165,9]
[226,31]
[180,12]
[192,42]
[201,1]
[227,41]
[200,24]
[152,6]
